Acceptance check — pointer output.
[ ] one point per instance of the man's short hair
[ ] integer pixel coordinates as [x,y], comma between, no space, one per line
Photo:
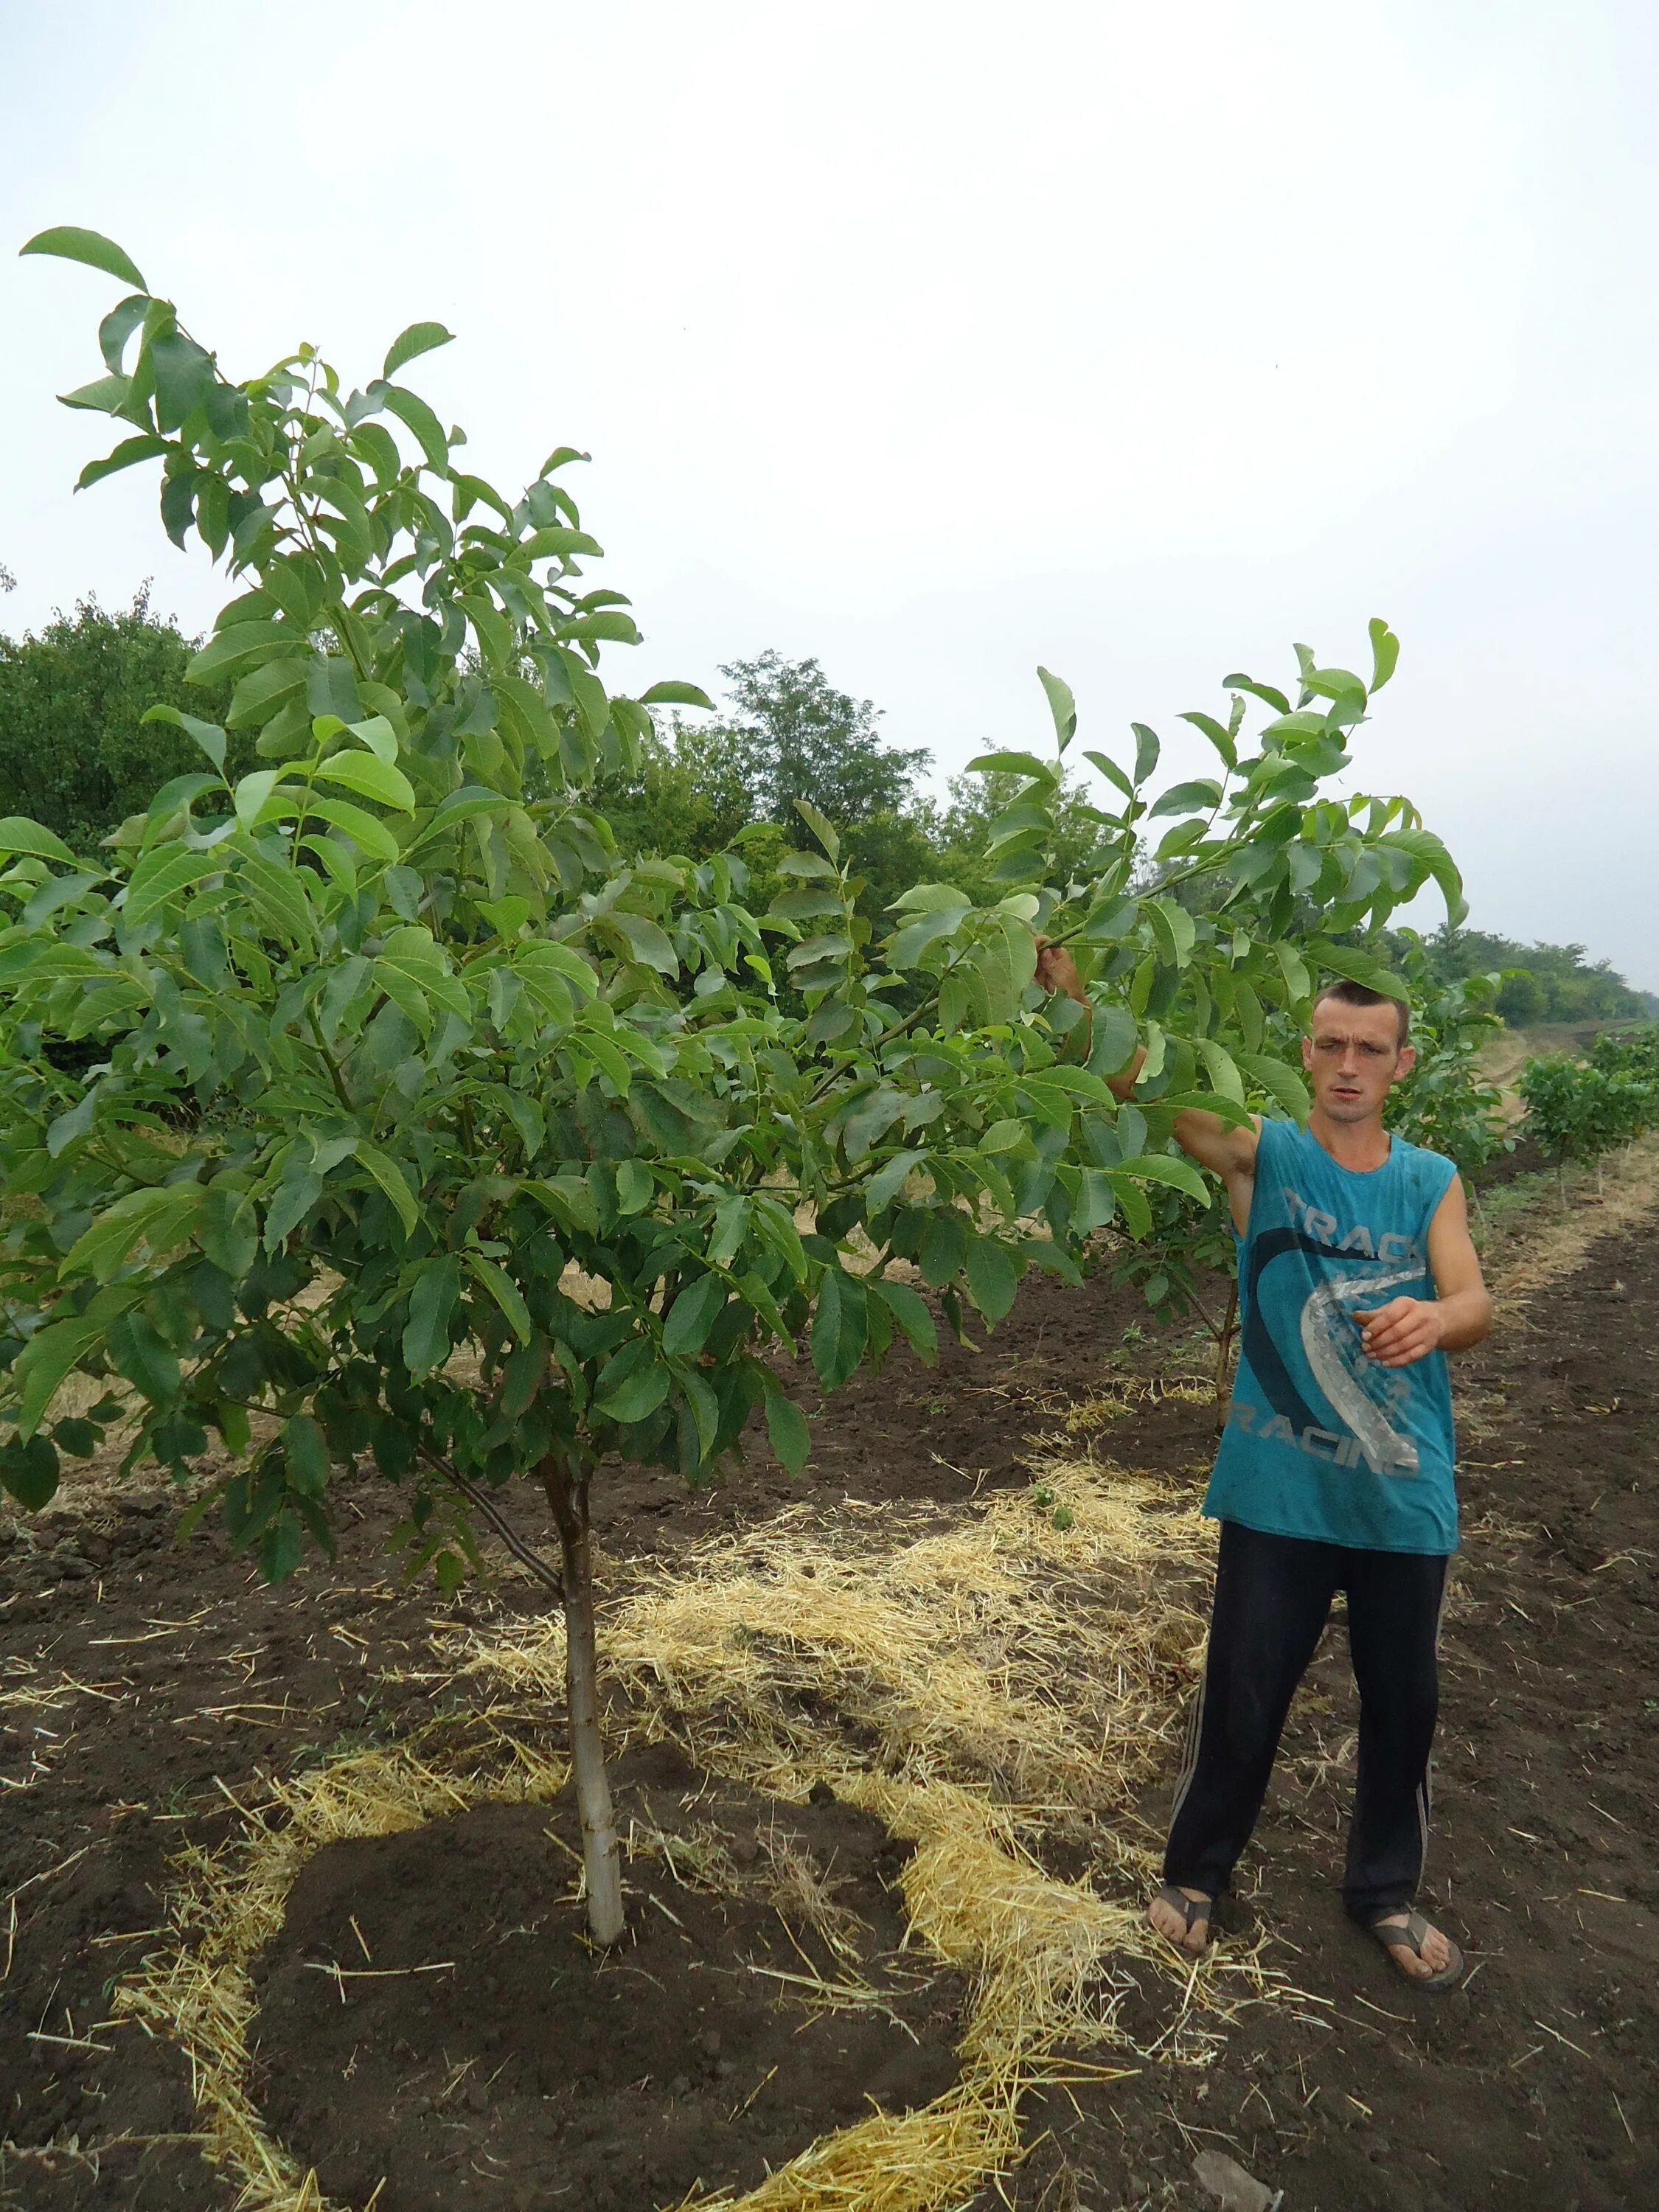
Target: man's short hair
[1361,994]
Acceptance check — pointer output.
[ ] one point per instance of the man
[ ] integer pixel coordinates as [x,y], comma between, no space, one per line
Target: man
[1357,1276]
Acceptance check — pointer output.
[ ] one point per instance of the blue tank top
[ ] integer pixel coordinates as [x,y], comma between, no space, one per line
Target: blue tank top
[1319,1441]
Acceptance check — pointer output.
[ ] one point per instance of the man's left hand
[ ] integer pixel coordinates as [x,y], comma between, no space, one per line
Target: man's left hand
[1404,1330]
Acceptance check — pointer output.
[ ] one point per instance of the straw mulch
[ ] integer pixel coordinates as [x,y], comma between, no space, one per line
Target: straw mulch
[985,1679]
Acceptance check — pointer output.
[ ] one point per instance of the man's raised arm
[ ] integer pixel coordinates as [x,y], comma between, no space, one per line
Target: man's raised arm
[1227,1149]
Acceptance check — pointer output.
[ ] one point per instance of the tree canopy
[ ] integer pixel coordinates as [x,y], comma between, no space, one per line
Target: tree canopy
[1538,982]
[76,752]
[375,1105]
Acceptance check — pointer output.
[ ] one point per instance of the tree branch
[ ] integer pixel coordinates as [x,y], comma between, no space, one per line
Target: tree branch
[525,1554]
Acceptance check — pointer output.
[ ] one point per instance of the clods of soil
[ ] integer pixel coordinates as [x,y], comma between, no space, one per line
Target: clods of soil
[433,2024]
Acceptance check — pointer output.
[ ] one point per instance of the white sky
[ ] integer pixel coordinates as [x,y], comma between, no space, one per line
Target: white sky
[938,340]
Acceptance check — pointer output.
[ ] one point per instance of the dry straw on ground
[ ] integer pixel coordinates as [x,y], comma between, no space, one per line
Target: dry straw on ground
[1545,1242]
[198,1992]
[987,1679]
[982,1680]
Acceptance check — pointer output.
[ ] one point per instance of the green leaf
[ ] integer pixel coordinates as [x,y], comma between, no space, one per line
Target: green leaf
[1164,1168]
[1267,693]
[944,1245]
[263,689]
[820,827]
[871,1119]
[840,1327]
[1095,1202]
[907,945]
[370,777]
[672,693]
[1358,967]
[161,1217]
[118,325]
[1113,773]
[608,623]
[137,1351]
[635,1186]
[366,831]
[506,1293]
[787,1428]
[993,1277]
[426,1338]
[67,243]
[1174,929]
[207,735]
[1281,1082]
[105,395]
[50,1355]
[180,792]
[890,1179]
[1061,705]
[632,1385]
[19,834]
[130,452]
[1219,735]
[229,1229]
[1428,852]
[1113,1041]
[563,542]
[1146,751]
[413,412]
[182,371]
[1198,797]
[280,1547]
[162,875]
[28,1468]
[911,1313]
[252,791]
[1006,763]
[391,1180]
[644,939]
[1220,1067]
[418,338]
[692,1316]
[1385,652]
[1137,1213]
[307,1452]
[293,1198]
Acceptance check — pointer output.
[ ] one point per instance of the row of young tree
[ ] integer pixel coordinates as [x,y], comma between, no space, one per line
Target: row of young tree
[1580,1108]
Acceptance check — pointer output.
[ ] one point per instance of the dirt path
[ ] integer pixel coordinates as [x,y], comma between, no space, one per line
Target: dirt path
[144,1690]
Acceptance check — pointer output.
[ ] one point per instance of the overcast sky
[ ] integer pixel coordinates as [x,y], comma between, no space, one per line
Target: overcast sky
[938,340]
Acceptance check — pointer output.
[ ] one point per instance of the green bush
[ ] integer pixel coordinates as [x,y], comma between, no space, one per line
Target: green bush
[1445,1102]
[1577,1110]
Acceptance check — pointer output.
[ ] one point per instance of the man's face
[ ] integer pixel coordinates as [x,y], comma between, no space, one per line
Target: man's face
[1354,1058]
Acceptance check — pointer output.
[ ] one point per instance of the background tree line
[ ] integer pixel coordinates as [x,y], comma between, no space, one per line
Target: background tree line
[75,755]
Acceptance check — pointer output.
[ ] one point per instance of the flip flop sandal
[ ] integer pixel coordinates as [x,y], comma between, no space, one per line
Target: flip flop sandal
[1410,1932]
[1191,1909]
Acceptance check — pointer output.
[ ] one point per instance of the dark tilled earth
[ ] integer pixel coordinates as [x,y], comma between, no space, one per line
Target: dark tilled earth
[490,2055]
[141,1682]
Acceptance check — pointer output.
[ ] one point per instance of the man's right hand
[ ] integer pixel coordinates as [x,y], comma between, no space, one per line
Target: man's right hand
[1056,971]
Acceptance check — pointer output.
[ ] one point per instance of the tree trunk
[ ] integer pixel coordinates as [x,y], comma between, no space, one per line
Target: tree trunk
[1224,1344]
[566,1493]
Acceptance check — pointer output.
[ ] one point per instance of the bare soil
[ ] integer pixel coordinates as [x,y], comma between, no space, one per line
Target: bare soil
[144,1682]
[492,2056]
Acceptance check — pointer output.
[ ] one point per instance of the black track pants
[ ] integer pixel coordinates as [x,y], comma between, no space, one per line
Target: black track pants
[1273,1596]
